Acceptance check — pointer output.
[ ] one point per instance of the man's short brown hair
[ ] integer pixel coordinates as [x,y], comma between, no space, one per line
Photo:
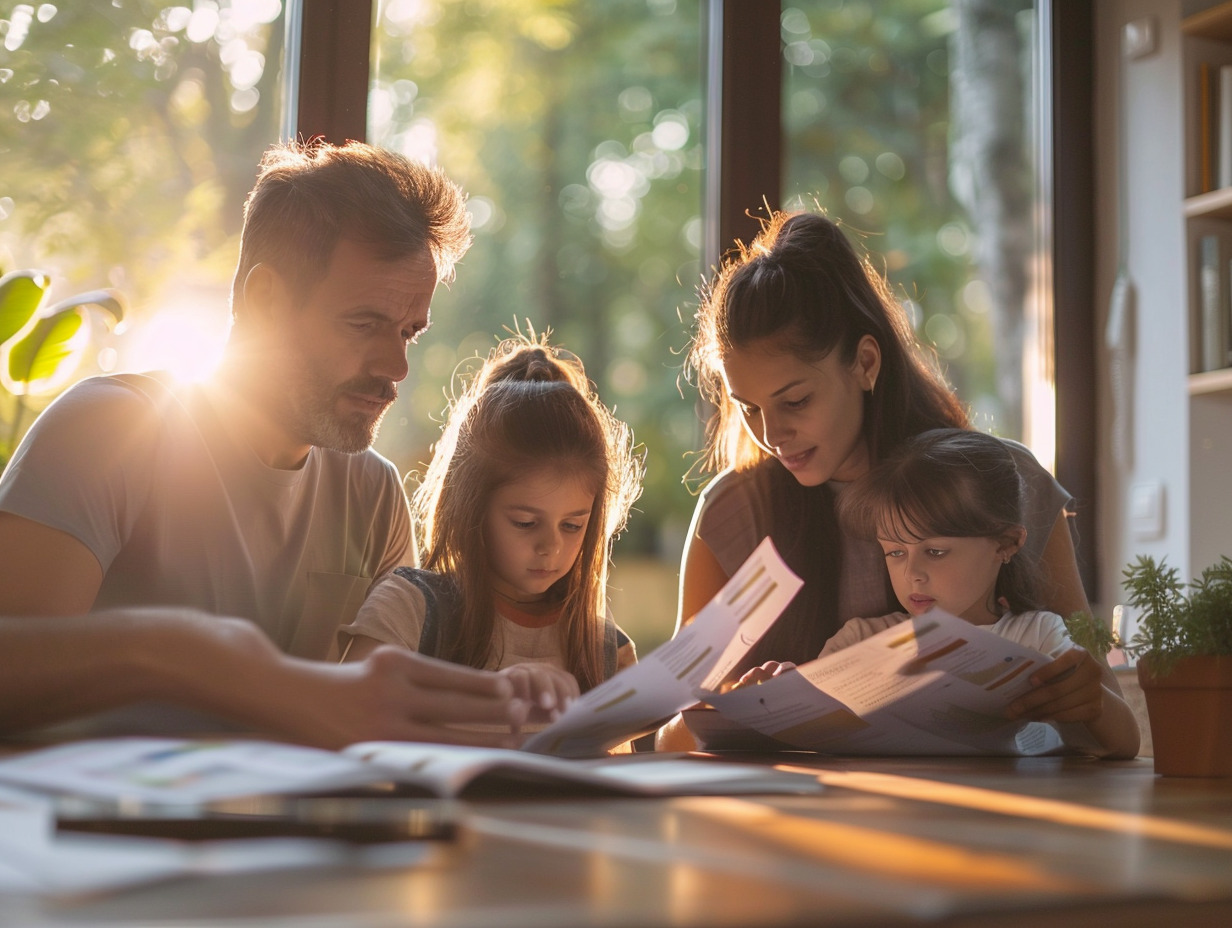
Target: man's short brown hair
[309,196]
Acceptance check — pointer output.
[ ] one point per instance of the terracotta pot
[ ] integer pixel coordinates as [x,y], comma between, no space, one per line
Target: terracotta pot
[1190,711]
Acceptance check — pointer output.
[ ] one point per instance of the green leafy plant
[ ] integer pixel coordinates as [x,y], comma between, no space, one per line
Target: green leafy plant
[1092,634]
[41,349]
[1172,623]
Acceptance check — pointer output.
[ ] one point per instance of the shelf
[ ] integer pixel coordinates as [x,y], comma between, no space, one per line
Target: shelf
[1209,382]
[1215,23]
[1215,204]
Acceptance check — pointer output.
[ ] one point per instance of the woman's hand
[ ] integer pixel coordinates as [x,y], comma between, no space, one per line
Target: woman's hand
[763,673]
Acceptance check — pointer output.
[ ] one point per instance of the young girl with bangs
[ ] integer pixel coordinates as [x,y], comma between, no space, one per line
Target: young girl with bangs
[945,509]
[531,481]
[815,375]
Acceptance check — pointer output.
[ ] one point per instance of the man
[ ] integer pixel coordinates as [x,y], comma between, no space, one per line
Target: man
[256,495]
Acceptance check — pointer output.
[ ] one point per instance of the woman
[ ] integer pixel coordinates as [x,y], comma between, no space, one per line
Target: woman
[815,374]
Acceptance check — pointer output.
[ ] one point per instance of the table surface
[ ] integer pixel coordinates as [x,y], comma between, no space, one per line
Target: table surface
[890,841]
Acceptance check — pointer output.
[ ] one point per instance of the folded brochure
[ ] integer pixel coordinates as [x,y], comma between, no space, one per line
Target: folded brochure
[670,677]
[934,684]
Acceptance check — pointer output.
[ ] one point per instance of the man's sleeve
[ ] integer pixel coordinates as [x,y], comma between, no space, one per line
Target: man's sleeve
[84,467]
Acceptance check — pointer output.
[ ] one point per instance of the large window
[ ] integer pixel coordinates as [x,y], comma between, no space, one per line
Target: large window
[587,136]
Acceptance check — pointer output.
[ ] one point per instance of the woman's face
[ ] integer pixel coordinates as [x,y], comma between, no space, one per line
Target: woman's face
[807,413]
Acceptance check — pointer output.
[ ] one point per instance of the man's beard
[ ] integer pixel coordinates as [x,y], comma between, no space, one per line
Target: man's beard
[318,421]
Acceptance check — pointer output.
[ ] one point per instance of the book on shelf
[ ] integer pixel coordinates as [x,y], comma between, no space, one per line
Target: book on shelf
[1223,110]
[1214,126]
[1213,305]
[1206,117]
[1227,317]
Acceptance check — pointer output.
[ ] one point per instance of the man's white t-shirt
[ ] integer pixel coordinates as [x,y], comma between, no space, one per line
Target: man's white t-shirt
[178,511]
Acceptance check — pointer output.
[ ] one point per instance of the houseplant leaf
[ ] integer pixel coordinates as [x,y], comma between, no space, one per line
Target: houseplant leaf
[46,356]
[21,293]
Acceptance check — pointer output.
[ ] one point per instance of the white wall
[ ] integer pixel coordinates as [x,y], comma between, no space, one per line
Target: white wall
[1156,263]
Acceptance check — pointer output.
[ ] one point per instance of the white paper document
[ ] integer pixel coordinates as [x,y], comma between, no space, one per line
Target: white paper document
[934,684]
[182,771]
[668,679]
[188,773]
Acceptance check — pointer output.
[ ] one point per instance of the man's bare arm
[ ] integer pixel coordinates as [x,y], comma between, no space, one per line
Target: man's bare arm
[55,668]
[44,571]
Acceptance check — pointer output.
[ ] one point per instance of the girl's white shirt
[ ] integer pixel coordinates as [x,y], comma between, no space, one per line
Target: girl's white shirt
[1043,631]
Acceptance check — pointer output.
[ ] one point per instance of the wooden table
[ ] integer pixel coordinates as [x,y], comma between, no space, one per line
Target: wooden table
[965,842]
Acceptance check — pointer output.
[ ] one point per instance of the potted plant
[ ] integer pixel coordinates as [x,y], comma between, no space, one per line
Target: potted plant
[1183,646]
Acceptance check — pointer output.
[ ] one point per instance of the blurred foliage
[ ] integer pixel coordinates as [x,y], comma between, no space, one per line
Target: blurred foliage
[132,129]
[875,136]
[130,135]
[40,350]
[576,128]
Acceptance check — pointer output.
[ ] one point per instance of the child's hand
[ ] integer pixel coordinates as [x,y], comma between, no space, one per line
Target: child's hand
[546,689]
[1070,689]
[763,673]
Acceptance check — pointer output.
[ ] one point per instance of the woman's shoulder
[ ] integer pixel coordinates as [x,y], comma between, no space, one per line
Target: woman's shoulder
[732,516]
[728,483]
[750,490]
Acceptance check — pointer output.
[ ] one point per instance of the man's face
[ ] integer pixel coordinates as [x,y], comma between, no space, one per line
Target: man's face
[339,354]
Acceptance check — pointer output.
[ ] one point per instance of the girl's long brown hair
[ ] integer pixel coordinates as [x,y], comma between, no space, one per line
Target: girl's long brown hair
[529,407]
[802,284]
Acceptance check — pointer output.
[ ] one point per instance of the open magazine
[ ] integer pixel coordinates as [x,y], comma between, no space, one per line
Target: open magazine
[187,772]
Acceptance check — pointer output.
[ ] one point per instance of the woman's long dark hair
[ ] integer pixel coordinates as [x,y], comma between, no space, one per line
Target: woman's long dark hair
[802,284]
[946,483]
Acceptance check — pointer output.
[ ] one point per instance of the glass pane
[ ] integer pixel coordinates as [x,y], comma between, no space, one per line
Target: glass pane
[575,128]
[130,134]
[913,122]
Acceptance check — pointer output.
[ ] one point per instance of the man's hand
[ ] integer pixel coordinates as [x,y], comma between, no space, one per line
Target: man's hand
[59,667]
[398,695]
